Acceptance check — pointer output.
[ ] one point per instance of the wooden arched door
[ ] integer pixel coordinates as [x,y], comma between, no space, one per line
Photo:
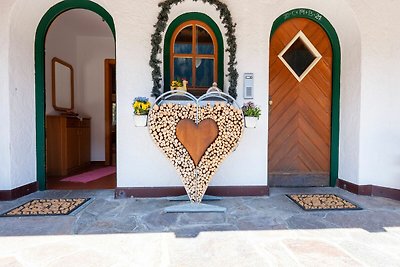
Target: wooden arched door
[300,97]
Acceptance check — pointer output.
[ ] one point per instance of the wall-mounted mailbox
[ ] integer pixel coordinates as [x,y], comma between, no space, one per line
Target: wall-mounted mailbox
[248,86]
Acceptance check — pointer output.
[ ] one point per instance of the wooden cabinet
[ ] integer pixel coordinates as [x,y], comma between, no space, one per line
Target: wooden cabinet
[67,144]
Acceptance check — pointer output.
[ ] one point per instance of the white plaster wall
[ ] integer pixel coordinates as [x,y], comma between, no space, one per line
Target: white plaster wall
[91,53]
[350,94]
[136,153]
[25,18]
[134,79]
[5,179]
[380,109]
[247,165]
[60,43]
[373,160]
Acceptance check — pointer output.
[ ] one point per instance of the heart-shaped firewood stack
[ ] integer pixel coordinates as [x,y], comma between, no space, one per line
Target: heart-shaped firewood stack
[196,170]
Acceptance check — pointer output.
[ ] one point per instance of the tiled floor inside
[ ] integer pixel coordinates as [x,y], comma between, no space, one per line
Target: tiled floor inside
[254,231]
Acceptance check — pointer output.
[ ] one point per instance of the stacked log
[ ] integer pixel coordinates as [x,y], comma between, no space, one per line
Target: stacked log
[162,123]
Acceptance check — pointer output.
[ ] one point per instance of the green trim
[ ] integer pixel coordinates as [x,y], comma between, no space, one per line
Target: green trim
[167,41]
[40,85]
[327,26]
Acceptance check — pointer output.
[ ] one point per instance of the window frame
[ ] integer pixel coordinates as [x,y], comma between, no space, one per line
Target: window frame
[211,27]
[194,55]
[312,49]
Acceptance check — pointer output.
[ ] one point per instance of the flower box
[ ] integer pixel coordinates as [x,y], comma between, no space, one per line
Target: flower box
[251,114]
[250,122]
[141,107]
[140,120]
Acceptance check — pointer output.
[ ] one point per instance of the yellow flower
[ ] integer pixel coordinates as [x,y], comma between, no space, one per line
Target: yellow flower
[176,84]
[141,105]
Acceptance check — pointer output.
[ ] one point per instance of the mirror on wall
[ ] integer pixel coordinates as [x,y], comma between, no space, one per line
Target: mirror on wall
[62,85]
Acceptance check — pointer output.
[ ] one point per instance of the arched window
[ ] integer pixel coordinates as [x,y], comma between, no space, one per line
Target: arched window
[193,55]
[194,52]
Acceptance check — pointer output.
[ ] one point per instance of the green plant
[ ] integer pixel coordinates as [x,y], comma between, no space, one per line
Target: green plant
[161,25]
[251,110]
[141,105]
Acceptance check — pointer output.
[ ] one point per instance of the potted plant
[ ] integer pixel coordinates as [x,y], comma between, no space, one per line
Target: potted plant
[179,85]
[141,107]
[251,114]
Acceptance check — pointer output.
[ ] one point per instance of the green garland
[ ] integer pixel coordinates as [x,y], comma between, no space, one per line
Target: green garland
[160,27]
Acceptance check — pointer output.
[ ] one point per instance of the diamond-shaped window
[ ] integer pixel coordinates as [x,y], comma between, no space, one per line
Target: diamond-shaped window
[300,56]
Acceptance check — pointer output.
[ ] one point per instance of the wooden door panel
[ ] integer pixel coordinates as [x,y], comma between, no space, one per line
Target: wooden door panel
[275,68]
[314,151]
[300,116]
[311,105]
[72,149]
[284,76]
[325,48]
[280,130]
[280,137]
[318,40]
[312,119]
[311,30]
[291,161]
[281,156]
[84,143]
[283,89]
[308,159]
[281,105]
[315,137]
[315,91]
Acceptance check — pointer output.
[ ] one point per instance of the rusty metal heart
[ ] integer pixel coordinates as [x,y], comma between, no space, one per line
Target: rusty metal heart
[196,138]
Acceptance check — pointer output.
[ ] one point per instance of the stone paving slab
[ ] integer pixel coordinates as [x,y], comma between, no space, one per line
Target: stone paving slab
[255,231]
[222,248]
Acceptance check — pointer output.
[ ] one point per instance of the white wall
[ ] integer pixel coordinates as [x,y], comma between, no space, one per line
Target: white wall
[25,18]
[60,43]
[134,79]
[364,153]
[5,179]
[91,53]
[380,109]
[253,30]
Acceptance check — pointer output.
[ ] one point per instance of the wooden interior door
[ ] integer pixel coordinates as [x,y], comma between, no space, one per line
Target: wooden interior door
[109,104]
[299,135]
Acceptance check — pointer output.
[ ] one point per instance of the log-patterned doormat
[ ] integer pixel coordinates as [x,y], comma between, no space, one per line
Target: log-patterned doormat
[47,207]
[310,202]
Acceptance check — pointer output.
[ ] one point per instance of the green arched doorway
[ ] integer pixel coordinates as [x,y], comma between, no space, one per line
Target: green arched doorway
[40,99]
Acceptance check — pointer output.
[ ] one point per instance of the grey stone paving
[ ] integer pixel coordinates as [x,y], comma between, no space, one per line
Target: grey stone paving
[276,230]
[108,215]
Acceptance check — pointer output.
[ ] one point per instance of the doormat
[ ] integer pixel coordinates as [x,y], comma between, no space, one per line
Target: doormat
[89,176]
[47,207]
[311,202]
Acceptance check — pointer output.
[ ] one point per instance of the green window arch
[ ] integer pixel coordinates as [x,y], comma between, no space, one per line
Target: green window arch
[175,24]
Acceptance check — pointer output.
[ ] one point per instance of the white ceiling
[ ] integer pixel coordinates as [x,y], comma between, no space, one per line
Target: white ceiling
[82,22]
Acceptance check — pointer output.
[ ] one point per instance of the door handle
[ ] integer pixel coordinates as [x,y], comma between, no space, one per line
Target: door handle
[270,102]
